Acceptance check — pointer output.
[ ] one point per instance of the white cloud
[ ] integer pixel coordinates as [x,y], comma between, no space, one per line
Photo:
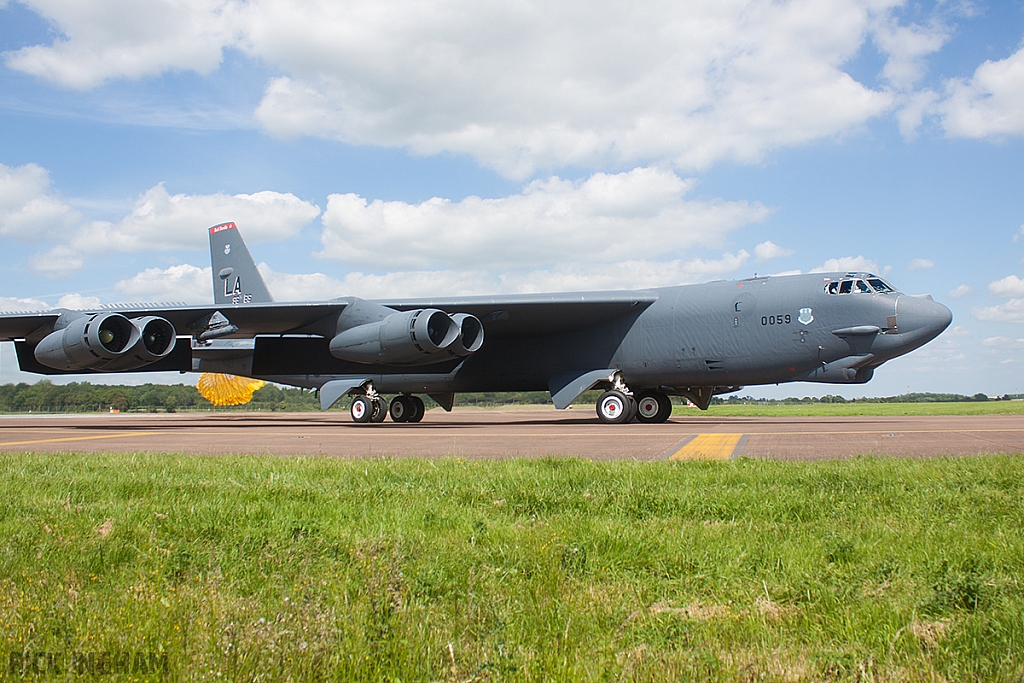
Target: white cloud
[1011,286]
[990,104]
[57,262]
[1019,234]
[302,286]
[958,331]
[564,277]
[1010,312]
[72,301]
[906,47]
[641,214]
[184,283]
[849,264]
[161,221]
[517,86]
[77,302]
[960,291]
[12,305]
[1004,342]
[769,250]
[103,39]
[920,264]
[28,210]
[633,274]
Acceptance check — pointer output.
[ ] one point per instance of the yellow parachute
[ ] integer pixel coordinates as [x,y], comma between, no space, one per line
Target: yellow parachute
[227,390]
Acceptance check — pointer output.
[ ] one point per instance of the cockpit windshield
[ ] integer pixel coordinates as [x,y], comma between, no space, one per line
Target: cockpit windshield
[859,283]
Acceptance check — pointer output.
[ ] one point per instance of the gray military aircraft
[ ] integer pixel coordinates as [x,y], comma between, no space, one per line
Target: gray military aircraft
[640,347]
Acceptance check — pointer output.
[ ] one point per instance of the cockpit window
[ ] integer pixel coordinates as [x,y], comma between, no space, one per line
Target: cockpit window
[880,286]
[871,284]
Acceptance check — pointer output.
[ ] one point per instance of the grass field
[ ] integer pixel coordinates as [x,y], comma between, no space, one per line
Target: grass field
[120,567]
[851,409]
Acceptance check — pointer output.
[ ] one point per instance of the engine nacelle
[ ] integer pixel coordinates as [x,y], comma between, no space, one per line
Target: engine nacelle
[88,342]
[470,339]
[471,335]
[156,341]
[405,338]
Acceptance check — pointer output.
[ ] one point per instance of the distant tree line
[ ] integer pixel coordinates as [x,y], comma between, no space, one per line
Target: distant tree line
[46,397]
[83,397]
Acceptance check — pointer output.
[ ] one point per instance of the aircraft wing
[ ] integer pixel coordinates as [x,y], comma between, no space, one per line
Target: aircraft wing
[502,316]
[251,319]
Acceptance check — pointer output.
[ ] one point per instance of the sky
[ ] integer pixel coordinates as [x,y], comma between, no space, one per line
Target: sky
[384,148]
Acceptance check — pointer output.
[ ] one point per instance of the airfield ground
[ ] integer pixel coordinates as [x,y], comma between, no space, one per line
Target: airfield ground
[521,432]
[170,567]
[139,548]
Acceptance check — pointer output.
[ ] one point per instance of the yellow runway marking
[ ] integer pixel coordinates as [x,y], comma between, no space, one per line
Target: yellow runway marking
[76,438]
[708,447]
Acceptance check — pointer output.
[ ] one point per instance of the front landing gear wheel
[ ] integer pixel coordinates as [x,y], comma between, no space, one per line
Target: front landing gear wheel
[653,406]
[613,407]
[362,409]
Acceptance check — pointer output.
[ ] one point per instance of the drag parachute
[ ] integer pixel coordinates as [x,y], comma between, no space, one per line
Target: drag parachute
[227,390]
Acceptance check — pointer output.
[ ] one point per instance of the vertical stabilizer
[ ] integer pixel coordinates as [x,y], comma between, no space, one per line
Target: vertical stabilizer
[235,277]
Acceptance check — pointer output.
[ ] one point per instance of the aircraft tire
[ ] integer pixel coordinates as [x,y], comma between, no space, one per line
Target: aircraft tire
[418,409]
[362,409]
[401,409]
[632,408]
[613,407]
[653,407]
[380,410]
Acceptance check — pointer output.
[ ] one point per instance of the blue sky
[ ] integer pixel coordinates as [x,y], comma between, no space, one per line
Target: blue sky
[463,147]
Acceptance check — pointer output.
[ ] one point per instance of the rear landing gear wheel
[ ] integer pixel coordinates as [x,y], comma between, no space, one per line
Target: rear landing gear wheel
[380,409]
[418,409]
[613,407]
[653,406]
[362,409]
[401,409]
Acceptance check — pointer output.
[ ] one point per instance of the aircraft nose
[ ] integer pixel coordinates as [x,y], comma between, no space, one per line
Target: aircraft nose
[921,316]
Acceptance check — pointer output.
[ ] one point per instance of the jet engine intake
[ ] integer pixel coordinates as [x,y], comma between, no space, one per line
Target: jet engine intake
[108,342]
[414,337]
[156,340]
[88,342]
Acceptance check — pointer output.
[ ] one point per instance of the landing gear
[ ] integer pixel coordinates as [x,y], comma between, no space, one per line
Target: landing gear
[380,409]
[653,406]
[615,407]
[407,409]
[401,408]
[362,409]
[419,410]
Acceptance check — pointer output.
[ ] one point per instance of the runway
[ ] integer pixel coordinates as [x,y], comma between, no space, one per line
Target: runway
[516,432]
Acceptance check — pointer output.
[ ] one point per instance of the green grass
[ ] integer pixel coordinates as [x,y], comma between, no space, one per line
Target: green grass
[851,409]
[232,568]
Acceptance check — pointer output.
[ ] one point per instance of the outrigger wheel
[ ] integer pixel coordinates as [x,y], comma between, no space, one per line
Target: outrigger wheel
[615,407]
[653,406]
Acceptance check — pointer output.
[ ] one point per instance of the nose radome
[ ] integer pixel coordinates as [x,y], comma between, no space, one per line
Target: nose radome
[922,315]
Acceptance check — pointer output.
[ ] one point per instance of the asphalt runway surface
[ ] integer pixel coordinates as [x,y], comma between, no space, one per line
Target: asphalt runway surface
[516,432]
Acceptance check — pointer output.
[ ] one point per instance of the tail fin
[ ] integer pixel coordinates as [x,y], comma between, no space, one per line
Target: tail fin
[235,277]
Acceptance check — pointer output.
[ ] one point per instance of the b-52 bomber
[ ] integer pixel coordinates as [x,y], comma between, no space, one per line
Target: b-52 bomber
[639,347]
